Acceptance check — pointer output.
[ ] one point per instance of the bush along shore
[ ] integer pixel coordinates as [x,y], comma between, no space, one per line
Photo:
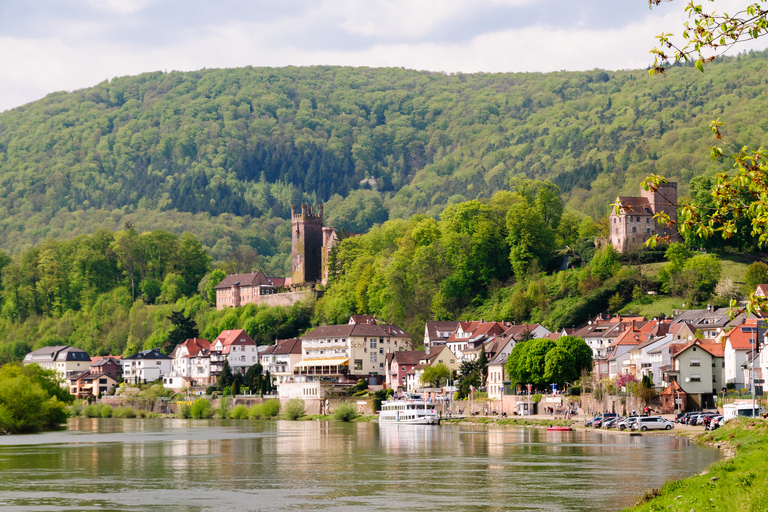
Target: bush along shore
[739,482]
[516,421]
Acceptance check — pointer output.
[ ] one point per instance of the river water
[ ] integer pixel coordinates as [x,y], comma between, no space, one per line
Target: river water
[209,465]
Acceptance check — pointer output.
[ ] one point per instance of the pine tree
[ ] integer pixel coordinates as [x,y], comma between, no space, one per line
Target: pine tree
[226,378]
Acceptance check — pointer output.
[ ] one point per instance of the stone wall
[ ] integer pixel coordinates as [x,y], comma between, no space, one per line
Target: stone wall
[287,299]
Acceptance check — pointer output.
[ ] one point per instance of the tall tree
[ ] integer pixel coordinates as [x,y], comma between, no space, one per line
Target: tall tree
[184,329]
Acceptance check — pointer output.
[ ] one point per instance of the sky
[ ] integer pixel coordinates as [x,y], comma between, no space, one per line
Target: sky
[54,45]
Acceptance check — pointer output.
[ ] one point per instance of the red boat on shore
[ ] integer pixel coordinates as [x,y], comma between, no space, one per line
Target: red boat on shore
[558,429]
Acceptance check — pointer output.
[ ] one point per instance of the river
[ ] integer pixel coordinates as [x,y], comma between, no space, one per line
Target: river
[210,465]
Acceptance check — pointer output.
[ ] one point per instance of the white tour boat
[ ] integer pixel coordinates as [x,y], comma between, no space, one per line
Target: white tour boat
[411,411]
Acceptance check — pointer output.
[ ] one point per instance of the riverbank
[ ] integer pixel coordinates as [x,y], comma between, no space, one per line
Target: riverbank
[736,483]
[517,421]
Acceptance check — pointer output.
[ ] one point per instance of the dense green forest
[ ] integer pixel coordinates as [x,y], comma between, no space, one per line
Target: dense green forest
[116,201]
[223,154]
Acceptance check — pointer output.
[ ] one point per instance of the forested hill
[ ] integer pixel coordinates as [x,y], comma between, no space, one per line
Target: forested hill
[224,153]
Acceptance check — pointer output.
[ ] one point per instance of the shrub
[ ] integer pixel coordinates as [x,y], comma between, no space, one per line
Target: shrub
[239,413]
[256,412]
[92,411]
[106,411]
[536,398]
[223,410]
[124,412]
[185,411]
[76,408]
[294,409]
[201,409]
[345,412]
[271,408]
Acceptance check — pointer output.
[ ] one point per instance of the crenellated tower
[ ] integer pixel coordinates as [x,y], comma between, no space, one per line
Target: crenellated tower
[306,244]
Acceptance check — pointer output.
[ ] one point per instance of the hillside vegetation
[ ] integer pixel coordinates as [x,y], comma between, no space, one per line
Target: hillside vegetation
[472,189]
[225,153]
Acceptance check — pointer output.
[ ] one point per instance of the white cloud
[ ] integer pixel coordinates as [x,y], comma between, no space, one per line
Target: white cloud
[121,6]
[128,37]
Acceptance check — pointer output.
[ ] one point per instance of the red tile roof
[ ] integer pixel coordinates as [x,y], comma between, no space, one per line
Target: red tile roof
[740,337]
[233,337]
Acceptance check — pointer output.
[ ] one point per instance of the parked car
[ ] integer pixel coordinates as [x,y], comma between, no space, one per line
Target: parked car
[626,422]
[693,418]
[652,423]
[600,418]
[700,419]
[610,422]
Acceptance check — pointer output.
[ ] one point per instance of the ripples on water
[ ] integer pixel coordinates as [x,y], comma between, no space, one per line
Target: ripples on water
[112,464]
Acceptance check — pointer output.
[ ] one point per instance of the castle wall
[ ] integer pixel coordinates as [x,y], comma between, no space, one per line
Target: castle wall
[286,299]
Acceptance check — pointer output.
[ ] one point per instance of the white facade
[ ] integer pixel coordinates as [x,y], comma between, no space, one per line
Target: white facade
[146,366]
[734,358]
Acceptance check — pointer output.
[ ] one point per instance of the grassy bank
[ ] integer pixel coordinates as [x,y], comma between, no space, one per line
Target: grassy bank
[739,483]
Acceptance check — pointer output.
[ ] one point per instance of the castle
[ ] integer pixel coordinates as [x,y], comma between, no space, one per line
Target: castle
[634,224]
[311,245]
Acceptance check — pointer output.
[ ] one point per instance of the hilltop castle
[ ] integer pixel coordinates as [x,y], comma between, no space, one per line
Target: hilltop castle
[311,245]
[634,224]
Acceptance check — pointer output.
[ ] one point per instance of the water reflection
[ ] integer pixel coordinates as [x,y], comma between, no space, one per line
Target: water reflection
[218,465]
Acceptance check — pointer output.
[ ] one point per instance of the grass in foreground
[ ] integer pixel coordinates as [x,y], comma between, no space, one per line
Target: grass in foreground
[737,484]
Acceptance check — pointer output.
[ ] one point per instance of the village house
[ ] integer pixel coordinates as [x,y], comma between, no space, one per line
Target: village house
[346,353]
[739,344]
[534,331]
[86,384]
[64,359]
[191,365]
[280,359]
[146,366]
[437,332]
[237,348]
[240,289]
[399,364]
[698,370]
[710,322]
[107,365]
[469,338]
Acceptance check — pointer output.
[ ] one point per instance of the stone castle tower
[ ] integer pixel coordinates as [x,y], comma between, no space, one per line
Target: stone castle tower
[634,224]
[306,244]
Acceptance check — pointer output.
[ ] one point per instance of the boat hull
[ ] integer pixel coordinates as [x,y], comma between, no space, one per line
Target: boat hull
[424,420]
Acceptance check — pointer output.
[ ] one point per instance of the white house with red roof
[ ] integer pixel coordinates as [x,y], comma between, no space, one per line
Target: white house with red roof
[237,348]
[469,337]
[739,343]
[191,364]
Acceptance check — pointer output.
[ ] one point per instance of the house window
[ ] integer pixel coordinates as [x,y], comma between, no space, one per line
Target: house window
[634,229]
[696,362]
[373,357]
[695,377]
[381,351]
[373,343]
[381,366]
[358,364]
